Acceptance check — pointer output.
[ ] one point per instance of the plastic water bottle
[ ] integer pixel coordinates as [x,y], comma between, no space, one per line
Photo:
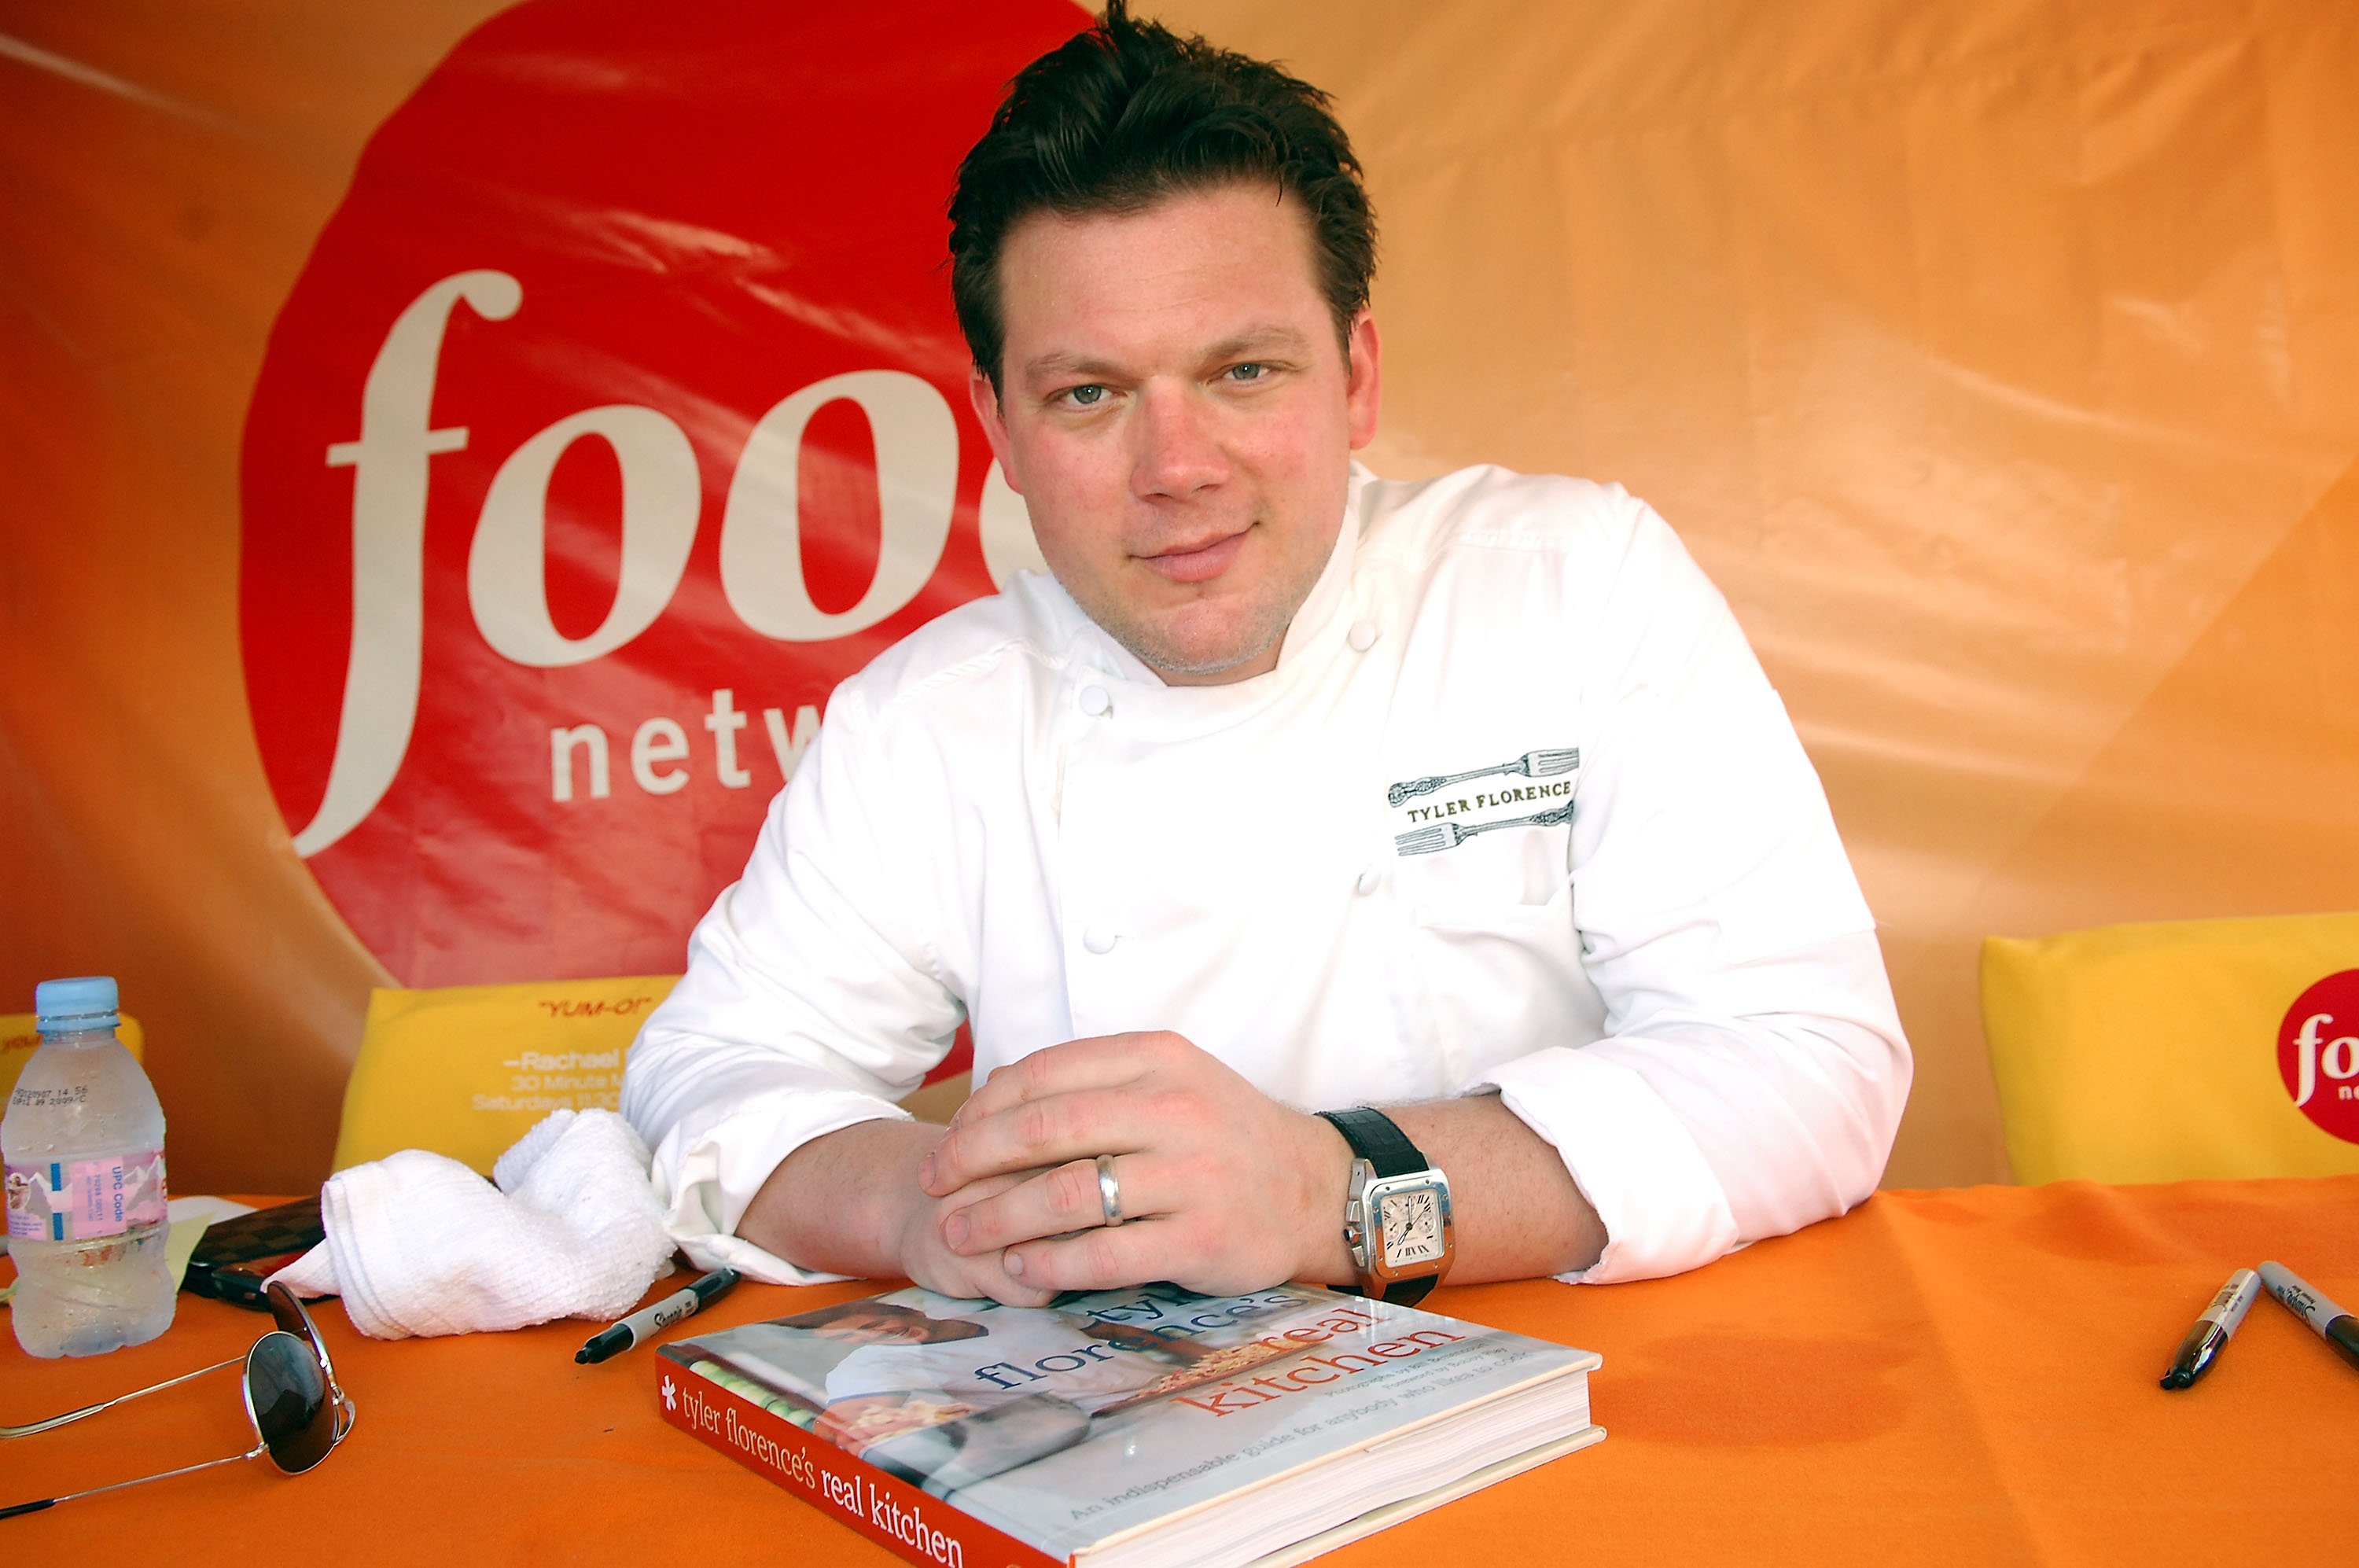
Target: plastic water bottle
[83,1143]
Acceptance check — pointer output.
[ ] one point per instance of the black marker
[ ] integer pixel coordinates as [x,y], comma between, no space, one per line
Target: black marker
[2211,1330]
[2335,1325]
[641,1324]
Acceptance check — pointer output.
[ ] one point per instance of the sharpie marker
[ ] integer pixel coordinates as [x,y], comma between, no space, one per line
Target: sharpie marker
[2211,1330]
[2335,1325]
[639,1326]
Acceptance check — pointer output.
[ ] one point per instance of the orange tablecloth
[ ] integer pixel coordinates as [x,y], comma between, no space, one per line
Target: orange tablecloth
[1960,1377]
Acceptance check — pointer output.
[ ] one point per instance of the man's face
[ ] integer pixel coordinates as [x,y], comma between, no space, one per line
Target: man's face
[877,1328]
[1180,419]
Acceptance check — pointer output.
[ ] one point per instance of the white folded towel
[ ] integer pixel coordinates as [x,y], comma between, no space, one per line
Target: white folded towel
[419,1244]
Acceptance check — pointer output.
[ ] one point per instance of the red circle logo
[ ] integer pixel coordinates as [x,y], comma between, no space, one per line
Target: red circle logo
[617,415]
[2318,1053]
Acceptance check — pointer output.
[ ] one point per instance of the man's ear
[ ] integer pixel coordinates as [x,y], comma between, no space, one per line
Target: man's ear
[985,400]
[1363,380]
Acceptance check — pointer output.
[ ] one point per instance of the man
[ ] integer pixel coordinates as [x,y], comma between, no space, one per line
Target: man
[901,1355]
[1294,792]
[906,1369]
[985,1389]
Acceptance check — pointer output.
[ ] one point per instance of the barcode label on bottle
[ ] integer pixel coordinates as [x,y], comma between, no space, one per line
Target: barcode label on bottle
[80,1200]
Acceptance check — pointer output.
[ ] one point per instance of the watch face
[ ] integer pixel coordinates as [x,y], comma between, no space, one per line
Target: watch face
[1411,1226]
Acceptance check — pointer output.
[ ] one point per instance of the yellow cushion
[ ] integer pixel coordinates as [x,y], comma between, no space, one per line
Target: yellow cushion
[20,1036]
[2151,1053]
[467,1069]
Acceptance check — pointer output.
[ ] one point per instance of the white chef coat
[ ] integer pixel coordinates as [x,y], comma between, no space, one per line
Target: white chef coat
[1008,819]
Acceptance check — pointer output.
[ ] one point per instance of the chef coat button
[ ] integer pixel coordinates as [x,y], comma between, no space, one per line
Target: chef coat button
[1370,880]
[1361,637]
[1098,939]
[1094,701]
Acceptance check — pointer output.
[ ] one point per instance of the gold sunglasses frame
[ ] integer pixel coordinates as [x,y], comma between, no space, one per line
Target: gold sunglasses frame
[295,1325]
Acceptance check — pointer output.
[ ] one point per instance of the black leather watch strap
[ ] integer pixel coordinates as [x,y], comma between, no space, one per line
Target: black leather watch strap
[1374,1139]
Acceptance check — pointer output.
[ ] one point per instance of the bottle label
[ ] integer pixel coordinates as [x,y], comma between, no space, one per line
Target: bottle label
[80,1200]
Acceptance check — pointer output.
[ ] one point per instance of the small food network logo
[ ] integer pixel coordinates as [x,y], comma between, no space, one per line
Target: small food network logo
[618,414]
[2318,1053]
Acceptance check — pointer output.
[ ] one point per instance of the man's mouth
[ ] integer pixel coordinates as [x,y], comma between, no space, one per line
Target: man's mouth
[1200,560]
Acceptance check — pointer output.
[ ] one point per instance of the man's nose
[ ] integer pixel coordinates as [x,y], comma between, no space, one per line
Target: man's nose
[1178,450]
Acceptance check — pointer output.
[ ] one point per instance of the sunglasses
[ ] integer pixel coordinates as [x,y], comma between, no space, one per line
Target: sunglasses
[292,1401]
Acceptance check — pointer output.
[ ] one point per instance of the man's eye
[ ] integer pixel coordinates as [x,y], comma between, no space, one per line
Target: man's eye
[1249,370]
[1088,396]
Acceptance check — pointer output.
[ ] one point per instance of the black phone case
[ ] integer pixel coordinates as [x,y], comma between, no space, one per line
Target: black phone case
[216,1268]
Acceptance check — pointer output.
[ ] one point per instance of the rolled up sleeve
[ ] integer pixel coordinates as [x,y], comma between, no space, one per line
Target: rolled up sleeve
[805,1009]
[1753,1069]
[1702,1132]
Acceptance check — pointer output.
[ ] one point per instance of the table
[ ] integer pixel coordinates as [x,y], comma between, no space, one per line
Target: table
[1949,1377]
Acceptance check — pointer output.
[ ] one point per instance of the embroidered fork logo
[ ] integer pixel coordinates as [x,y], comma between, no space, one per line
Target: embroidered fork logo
[1450,835]
[1531,764]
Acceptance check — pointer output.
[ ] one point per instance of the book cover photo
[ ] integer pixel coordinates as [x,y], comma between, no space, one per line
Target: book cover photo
[1127,1426]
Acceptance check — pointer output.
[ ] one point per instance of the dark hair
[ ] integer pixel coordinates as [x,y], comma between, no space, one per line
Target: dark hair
[937,1330]
[859,1306]
[1127,112]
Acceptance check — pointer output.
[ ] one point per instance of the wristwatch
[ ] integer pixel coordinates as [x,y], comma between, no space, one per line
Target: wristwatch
[1397,1221]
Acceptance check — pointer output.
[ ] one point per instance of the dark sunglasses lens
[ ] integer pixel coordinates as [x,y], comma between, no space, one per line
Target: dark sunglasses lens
[290,1400]
[287,1307]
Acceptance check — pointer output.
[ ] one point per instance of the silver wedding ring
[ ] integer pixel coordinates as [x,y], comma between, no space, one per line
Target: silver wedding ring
[1109,1191]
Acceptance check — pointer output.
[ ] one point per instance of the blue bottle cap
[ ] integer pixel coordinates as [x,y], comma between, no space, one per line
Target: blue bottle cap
[85,1003]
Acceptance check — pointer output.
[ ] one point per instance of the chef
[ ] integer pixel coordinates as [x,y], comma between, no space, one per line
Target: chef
[1343,880]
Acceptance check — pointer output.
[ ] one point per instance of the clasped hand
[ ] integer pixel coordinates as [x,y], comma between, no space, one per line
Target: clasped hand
[1223,1189]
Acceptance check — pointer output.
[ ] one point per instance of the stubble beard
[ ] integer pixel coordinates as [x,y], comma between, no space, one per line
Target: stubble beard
[1163,643]
[1168,652]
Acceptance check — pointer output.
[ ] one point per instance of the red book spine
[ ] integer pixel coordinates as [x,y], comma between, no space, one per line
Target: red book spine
[886,1508]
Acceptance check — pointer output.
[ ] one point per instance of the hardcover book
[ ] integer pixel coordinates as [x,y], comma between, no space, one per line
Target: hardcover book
[1126,1429]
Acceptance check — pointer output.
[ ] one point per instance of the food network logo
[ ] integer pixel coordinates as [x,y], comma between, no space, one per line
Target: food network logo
[2318,1055]
[617,415]
[916,440]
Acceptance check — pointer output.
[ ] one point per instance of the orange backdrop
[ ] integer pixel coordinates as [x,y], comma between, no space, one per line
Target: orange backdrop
[2000,359]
